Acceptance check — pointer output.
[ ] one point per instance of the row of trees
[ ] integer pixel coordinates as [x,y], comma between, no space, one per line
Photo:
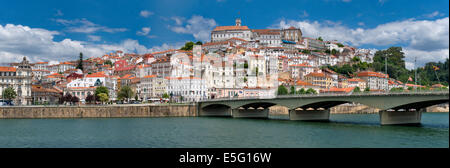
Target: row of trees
[282,90]
[101,95]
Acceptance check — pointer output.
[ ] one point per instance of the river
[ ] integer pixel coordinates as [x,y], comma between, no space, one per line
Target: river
[343,130]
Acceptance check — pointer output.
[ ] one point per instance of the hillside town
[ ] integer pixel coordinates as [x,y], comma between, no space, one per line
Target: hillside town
[238,62]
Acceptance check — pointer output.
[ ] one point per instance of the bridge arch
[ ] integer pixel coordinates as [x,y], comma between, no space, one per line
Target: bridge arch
[256,105]
[213,110]
[325,105]
[419,104]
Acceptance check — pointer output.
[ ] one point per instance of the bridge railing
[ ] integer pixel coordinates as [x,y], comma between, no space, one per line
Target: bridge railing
[423,92]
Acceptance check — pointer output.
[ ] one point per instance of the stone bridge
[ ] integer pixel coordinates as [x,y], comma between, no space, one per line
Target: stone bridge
[396,108]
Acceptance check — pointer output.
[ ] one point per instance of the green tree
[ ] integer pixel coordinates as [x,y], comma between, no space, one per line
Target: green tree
[395,61]
[9,94]
[302,91]
[334,52]
[292,90]
[101,89]
[367,89]
[188,46]
[356,90]
[80,62]
[320,39]
[311,91]
[103,97]
[108,62]
[340,45]
[400,89]
[356,59]
[282,90]
[165,96]
[198,43]
[125,93]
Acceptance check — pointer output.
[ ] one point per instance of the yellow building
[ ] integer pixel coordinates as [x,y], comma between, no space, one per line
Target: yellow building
[319,79]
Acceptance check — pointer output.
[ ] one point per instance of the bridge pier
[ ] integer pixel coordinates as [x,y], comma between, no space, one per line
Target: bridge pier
[219,111]
[400,117]
[309,115]
[251,113]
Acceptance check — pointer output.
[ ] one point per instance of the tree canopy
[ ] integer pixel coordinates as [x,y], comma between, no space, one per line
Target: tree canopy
[292,90]
[80,62]
[188,46]
[282,90]
[103,97]
[101,89]
[9,93]
[125,93]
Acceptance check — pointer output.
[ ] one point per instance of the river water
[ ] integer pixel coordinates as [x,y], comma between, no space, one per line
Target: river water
[344,130]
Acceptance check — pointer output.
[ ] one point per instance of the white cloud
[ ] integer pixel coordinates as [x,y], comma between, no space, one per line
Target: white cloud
[361,23]
[146,13]
[424,56]
[17,41]
[94,38]
[144,31]
[435,13]
[198,26]
[428,39]
[178,20]
[59,13]
[166,46]
[86,26]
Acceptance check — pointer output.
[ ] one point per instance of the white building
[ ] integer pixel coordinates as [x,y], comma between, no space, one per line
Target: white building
[223,33]
[189,89]
[19,78]
[375,80]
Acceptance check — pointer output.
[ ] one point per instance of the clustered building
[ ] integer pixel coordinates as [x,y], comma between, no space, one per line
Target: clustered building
[237,62]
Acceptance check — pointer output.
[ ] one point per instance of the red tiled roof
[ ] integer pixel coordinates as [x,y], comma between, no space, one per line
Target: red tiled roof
[41,63]
[97,75]
[36,88]
[127,76]
[222,28]
[149,76]
[180,78]
[303,83]
[7,69]
[125,68]
[301,65]
[355,80]
[373,74]
[335,89]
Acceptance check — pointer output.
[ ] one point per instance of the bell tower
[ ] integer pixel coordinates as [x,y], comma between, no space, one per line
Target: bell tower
[238,22]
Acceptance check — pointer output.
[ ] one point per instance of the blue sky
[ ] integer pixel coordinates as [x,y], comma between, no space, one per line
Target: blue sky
[57,30]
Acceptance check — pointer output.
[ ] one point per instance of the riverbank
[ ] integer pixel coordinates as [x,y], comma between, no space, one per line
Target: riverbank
[110,111]
[163,110]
